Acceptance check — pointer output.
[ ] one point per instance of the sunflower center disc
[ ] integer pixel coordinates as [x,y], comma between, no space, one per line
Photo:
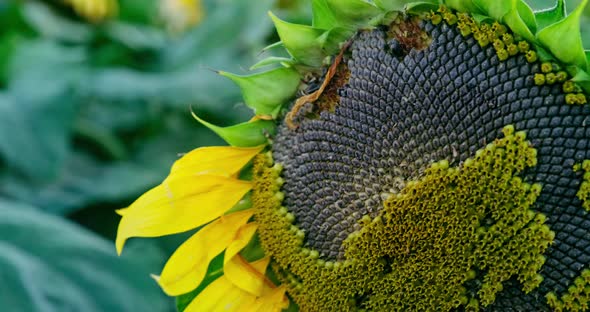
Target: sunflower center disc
[399,113]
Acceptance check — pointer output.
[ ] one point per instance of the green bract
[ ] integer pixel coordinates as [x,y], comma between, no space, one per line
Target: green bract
[550,16]
[334,21]
[568,48]
[266,92]
[247,134]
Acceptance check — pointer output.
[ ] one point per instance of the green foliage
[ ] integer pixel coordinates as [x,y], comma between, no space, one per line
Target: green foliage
[82,106]
[51,265]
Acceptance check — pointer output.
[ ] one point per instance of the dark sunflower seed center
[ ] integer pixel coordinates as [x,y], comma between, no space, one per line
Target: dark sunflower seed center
[399,114]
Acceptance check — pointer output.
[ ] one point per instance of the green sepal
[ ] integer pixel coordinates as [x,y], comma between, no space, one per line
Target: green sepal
[543,54]
[392,5]
[323,17]
[587,53]
[550,16]
[301,41]
[495,9]
[353,13]
[266,92]
[247,134]
[462,5]
[390,17]
[332,39]
[580,77]
[481,18]
[527,15]
[564,39]
[245,202]
[421,6]
[271,46]
[521,20]
[273,60]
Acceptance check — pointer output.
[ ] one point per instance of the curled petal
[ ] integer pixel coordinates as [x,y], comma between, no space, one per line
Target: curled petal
[223,295]
[274,300]
[238,270]
[187,267]
[178,205]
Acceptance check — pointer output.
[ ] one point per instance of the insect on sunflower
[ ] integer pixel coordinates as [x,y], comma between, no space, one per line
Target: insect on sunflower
[420,157]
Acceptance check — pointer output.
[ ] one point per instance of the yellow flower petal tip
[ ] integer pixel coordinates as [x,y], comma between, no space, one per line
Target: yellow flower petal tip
[155,277]
[214,160]
[187,267]
[180,204]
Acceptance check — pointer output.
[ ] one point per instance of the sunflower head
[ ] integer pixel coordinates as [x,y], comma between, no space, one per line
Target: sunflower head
[406,156]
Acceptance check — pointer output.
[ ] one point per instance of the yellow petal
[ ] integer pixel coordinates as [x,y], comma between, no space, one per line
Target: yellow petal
[214,160]
[239,271]
[274,300]
[223,295]
[187,267]
[178,205]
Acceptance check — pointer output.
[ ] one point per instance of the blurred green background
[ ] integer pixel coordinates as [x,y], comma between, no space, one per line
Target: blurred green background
[95,98]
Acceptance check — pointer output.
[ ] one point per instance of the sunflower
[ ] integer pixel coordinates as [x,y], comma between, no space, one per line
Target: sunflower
[94,10]
[180,15]
[419,156]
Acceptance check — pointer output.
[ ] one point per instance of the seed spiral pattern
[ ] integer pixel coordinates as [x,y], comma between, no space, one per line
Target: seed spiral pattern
[401,112]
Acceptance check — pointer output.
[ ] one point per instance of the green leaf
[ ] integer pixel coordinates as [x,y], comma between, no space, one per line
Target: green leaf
[48,264]
[564,39]
[392,5]
[273,60]
[8,46]
[581,77]
[88,180]
[301,41]
[480,18]
[332,39]
[50,24]
[139,11]
[271,46]
[543,54]
[41,114]
[353,13]
[551,16]
[527,15]
[135,37]
[462,5]
[495,9]
[247,134]
[521,20]
[266,92]
[39,106]
[421,6]
[223,39]
[323,17]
